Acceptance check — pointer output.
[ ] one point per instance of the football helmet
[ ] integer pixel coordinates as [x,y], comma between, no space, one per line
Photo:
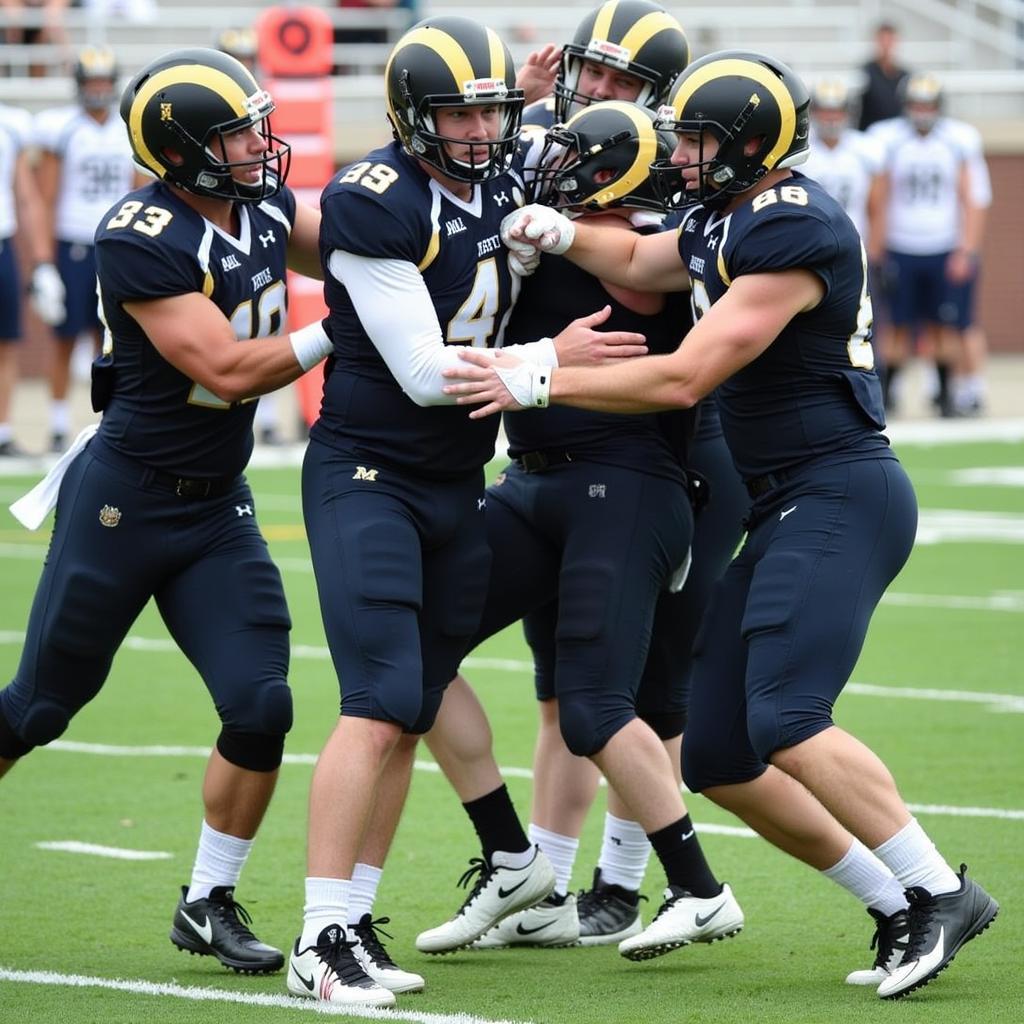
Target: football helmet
[831,109]
[96,64]
[178,104]
[637,37]
[600,158]
[922,101]
[738,97]
[451,62]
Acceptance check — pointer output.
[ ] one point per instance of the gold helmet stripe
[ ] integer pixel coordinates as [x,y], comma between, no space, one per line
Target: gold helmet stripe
[497,50]
[647,28]
[603,22]
[181,74]
[445,46]
[759,74]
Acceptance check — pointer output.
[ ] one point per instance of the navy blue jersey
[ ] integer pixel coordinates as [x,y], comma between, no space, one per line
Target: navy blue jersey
[152,245]
[387,207]
[813,392]
[555,294]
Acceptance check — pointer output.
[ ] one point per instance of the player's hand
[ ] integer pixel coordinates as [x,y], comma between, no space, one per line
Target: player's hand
[580,345]
[523,259]
[959,267]
[537,76]
[544,228]
[497,381]
[46,294]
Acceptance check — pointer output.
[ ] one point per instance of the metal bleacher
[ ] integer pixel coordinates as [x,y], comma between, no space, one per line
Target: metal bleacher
[976,45]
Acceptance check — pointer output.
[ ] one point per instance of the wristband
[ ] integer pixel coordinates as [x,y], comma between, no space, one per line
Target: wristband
[528,383]
[310,344]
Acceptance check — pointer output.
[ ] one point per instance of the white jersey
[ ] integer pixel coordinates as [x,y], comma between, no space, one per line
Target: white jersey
[96,167]
[924,174]
[15,134]
[846,171]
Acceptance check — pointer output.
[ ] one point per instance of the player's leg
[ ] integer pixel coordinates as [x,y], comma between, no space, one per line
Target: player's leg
[10,335]
[900,288]
[226,609]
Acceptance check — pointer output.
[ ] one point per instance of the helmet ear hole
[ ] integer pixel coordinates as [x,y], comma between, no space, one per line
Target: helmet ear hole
[172,157]
[754,145]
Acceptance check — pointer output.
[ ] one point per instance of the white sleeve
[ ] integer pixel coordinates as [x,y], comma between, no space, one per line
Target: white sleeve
[393,305]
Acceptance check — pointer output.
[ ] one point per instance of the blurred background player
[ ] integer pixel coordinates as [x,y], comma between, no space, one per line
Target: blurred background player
[85,165]
[883,77]
[938,194]
[20,209]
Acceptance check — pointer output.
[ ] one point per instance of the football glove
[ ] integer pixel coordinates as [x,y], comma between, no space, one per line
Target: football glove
[46,294]
[549,230]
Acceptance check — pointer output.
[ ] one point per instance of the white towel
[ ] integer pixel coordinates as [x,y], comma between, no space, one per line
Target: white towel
[31,509]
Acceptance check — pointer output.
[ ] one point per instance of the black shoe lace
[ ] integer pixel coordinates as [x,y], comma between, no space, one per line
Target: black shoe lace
[234,917]
[922,909]
[338,955]
[369,938]
[887,939]
[481,871]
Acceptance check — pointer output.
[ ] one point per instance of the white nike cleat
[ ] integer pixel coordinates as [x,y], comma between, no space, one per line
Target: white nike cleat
[939,928]
[683,919]
[546,924]
[499,890]
[889,943]
[330,973]
[375,960]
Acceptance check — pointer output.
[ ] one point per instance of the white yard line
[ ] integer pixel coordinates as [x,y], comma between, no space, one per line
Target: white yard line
[218,995]
[114,852]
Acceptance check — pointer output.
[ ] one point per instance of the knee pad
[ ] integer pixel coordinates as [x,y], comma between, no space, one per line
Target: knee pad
[12,746]
[43,722]
[770,729]
[262,709]
[586,727]
[256,752]
[666,724]
[428,713]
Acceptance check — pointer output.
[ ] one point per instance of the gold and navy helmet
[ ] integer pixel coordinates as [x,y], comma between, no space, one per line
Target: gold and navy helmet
[831,97]
[922,100]
[637,37]
[600,159]
[451,62]
[178,104]
[240,43]
[737,97]
[96,64]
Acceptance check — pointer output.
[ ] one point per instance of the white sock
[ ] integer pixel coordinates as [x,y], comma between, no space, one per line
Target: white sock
[60,417]
[911,856]
[860,872]
[219,861]
[625,851]
[560,850]
[365,879]
[326,904]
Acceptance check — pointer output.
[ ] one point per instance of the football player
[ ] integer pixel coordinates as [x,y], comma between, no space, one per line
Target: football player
[393,482]
[85,165]
[191,272]
[778,281]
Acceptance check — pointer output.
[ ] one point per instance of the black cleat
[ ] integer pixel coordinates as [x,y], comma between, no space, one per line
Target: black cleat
[939,927]
[218,926]
[608,913]
[889,943]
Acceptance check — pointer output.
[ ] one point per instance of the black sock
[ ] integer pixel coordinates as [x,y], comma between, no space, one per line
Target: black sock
[943,398]
[680,853]
[497,823]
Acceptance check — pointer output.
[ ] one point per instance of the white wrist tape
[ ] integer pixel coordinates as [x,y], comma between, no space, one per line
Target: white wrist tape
[310,344]
[528,383]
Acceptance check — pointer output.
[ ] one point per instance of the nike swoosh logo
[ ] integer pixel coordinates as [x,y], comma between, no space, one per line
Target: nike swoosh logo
[782,515]
[204,930]
[308,984]
[687,835]
[533,931]
[701,921]
[504,893]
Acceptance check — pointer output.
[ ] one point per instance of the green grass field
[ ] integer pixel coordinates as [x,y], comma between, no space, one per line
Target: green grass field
[938,693]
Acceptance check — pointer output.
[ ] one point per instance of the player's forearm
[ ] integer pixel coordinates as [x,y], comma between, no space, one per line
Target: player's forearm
[608,255]
[251,368]
[651,384]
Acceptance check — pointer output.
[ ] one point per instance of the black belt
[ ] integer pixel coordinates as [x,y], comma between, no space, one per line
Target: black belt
[537,462]
[197,487]
[760,485]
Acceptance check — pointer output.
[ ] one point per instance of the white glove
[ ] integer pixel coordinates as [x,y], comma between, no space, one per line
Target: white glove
[550,230]
[528,383]
[46,293]
[523,259]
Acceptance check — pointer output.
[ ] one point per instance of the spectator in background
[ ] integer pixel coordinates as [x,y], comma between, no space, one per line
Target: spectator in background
[20,206]
[85,165]
[883,77]
[49,30]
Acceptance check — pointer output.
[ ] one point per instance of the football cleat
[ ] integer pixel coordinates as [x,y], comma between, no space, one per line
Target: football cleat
[889,942]
[374,958]
[939,927]
[218,926]
[682,919]
[550,923]
[608,913]
[498,890]
[330,972]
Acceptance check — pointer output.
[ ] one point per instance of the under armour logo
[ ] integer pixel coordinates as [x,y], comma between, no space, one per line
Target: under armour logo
[713,243]
[362,473]
[481,504]
[597,491]
[267,238]
[502,198]
[243,510]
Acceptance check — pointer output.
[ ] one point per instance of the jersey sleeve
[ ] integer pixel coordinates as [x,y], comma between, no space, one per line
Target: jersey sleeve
[130,266]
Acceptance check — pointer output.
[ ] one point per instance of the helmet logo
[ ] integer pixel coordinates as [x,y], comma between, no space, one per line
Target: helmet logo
[482,88]
[165,112]
[609,52]
[418,144]
[206,180]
